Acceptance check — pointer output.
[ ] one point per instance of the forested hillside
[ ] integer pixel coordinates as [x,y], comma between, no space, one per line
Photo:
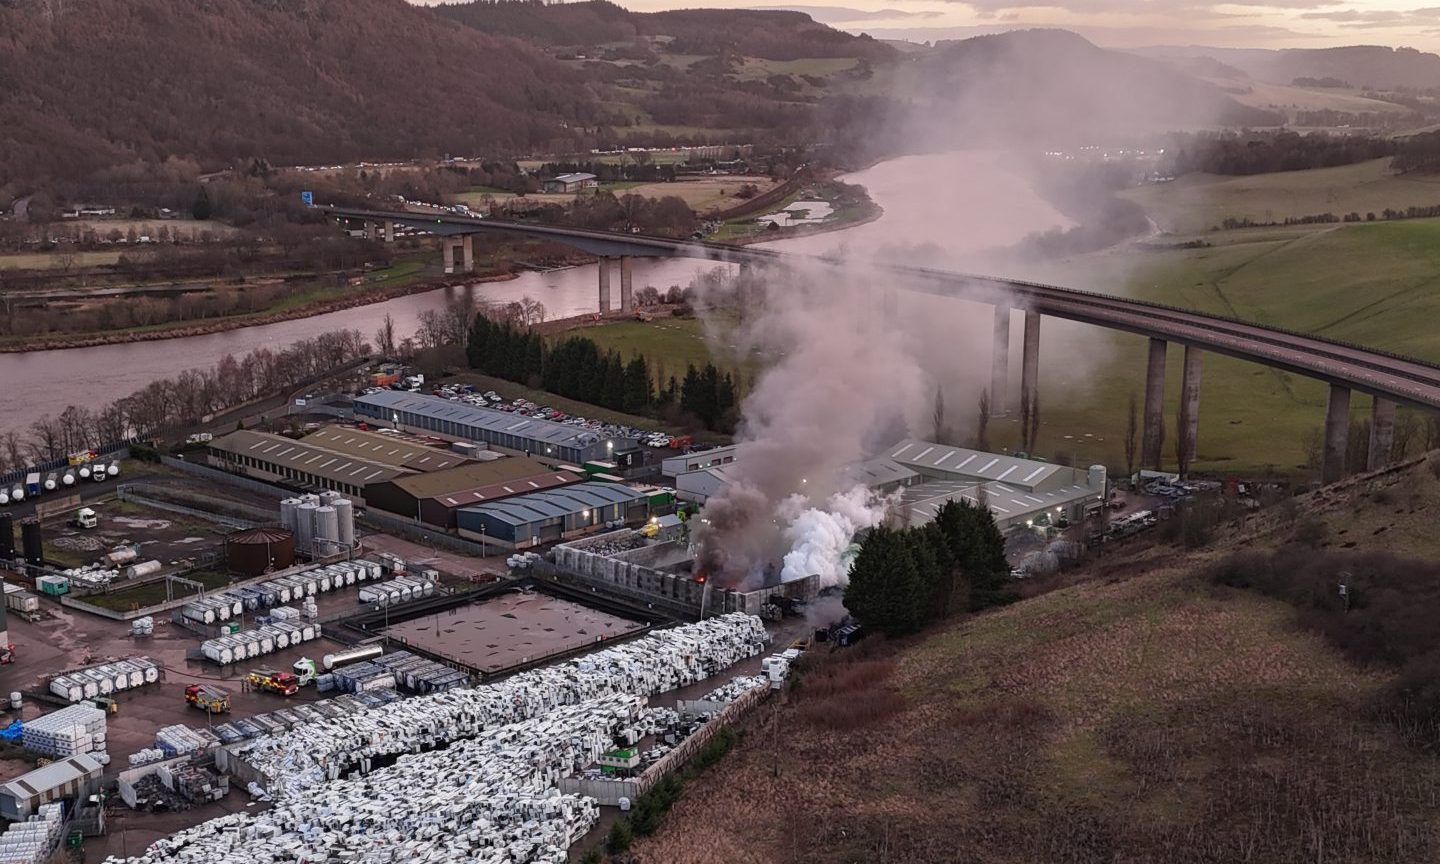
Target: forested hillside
[89,83]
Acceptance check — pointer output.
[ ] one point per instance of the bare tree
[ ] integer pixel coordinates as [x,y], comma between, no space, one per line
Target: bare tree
[14,450]
[1407,425]
[385,336]
[1132,434]
[1034,432]
[939,415]
[982,422]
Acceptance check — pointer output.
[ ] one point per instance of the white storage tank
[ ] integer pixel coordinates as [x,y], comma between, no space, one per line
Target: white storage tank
[144,568]
[345,511]
[113,469]
[305,527]
[327,527]
[84,471]
[52,482]
[17,493]
[68,478]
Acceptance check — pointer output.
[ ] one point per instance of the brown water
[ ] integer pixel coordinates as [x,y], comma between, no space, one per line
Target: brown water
[952,204]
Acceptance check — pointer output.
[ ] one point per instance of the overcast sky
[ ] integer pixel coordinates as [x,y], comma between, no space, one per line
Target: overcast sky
[1127,23]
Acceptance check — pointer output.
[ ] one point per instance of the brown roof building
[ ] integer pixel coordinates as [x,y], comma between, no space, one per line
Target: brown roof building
[436,496]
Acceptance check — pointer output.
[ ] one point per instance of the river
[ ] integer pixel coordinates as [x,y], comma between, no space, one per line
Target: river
[947,205]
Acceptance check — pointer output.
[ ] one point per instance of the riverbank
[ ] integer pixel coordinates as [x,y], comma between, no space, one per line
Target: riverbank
[239,322]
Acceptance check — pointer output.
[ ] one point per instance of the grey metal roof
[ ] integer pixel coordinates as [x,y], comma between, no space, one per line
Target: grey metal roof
[544,431]
[572,178]
[57,773]
[880,471]
[932,459]
[1007,503]
[556,503]
[319,461]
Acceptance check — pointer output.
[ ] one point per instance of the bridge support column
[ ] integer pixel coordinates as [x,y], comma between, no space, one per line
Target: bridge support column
[369,230]
[1188,427]
[1153,436]
[467,246]
[1337,433]
[1382,433]
[1030,361]
[1000,360]
[389,232]
[627,301]
[447,253]
[604,285]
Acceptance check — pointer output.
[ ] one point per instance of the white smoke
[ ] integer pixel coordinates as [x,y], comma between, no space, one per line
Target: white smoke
[820,539]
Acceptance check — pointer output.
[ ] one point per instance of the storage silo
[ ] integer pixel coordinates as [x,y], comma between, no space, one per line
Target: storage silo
[329,497]
[345,513]
[305,527]
[253,551]
[287,513]
[31,542]
[7,537]
[327,527]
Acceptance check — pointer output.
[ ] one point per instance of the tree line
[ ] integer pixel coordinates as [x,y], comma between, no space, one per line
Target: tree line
[1389,214]
[1244,153]
[905,579]
[576,368]
[182,400]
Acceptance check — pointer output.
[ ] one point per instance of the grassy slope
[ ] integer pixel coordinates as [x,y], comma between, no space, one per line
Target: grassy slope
[1141,716]
[1200,201]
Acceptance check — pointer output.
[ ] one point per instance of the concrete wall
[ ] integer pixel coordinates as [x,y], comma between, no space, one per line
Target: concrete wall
[127,779]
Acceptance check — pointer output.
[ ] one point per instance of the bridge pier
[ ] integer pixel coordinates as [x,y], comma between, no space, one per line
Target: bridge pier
[1153,435]
[1382,433]
[389,232]
[467,252]
[447,253]
[1000,360]
[1030,361]
[604,285]
[627,300]
[1188,427]
[1337,434]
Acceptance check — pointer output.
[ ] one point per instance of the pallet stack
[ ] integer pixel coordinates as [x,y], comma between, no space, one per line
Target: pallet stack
[77,729]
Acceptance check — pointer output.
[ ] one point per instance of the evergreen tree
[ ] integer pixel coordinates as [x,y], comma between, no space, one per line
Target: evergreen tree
[978,549]
[884,591]
[201,209]
[637,386]
[620,837]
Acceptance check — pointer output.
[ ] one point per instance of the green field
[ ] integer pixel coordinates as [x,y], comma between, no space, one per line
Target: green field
[1199,202]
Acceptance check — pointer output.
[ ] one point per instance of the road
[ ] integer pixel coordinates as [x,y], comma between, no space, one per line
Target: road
[1405,380]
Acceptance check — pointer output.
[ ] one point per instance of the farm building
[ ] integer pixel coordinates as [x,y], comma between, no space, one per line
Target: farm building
[550,442]
[553,515]
[569,183]
[436,497]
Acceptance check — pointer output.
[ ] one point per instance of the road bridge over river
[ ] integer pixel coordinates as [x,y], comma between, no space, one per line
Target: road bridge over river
[1389,379]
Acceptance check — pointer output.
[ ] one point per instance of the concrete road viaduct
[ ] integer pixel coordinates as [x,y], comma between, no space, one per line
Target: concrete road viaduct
[1389,379]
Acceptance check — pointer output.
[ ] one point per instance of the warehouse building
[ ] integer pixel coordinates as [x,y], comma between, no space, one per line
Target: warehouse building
[76,776]
[687,462]
[436,497]
[553,515]
[1019,492]
[386,447]
[881,475]
[550,442]
[274,457]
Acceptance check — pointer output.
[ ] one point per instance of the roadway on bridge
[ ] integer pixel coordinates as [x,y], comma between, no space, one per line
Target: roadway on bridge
[1405,380]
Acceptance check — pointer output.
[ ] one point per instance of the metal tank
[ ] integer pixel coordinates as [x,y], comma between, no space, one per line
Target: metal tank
[32,542]
[253,551]
[345,516]
[7,536]
[305,527]
[327,527]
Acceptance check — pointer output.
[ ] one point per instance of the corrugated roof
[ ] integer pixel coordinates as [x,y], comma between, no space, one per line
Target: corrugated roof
[387,449]
[57,773]
[310,459]
[542,431]
[517,471]
[538,506]
[932,459]
[573,178]
[1006,502]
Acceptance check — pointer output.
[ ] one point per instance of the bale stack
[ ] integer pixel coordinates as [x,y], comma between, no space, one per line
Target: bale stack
[77,729]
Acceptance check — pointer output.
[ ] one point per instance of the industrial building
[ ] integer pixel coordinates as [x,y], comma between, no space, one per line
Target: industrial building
[550,442]
[555,514]
[338,458]
[687,462]
[880,474]
[76,776]
[1019,492]
[435,498]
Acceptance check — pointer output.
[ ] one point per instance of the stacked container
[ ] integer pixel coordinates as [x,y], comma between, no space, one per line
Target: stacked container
[77,729]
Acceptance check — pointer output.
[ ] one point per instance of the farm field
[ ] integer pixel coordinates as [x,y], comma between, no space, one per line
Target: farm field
[1196,203]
